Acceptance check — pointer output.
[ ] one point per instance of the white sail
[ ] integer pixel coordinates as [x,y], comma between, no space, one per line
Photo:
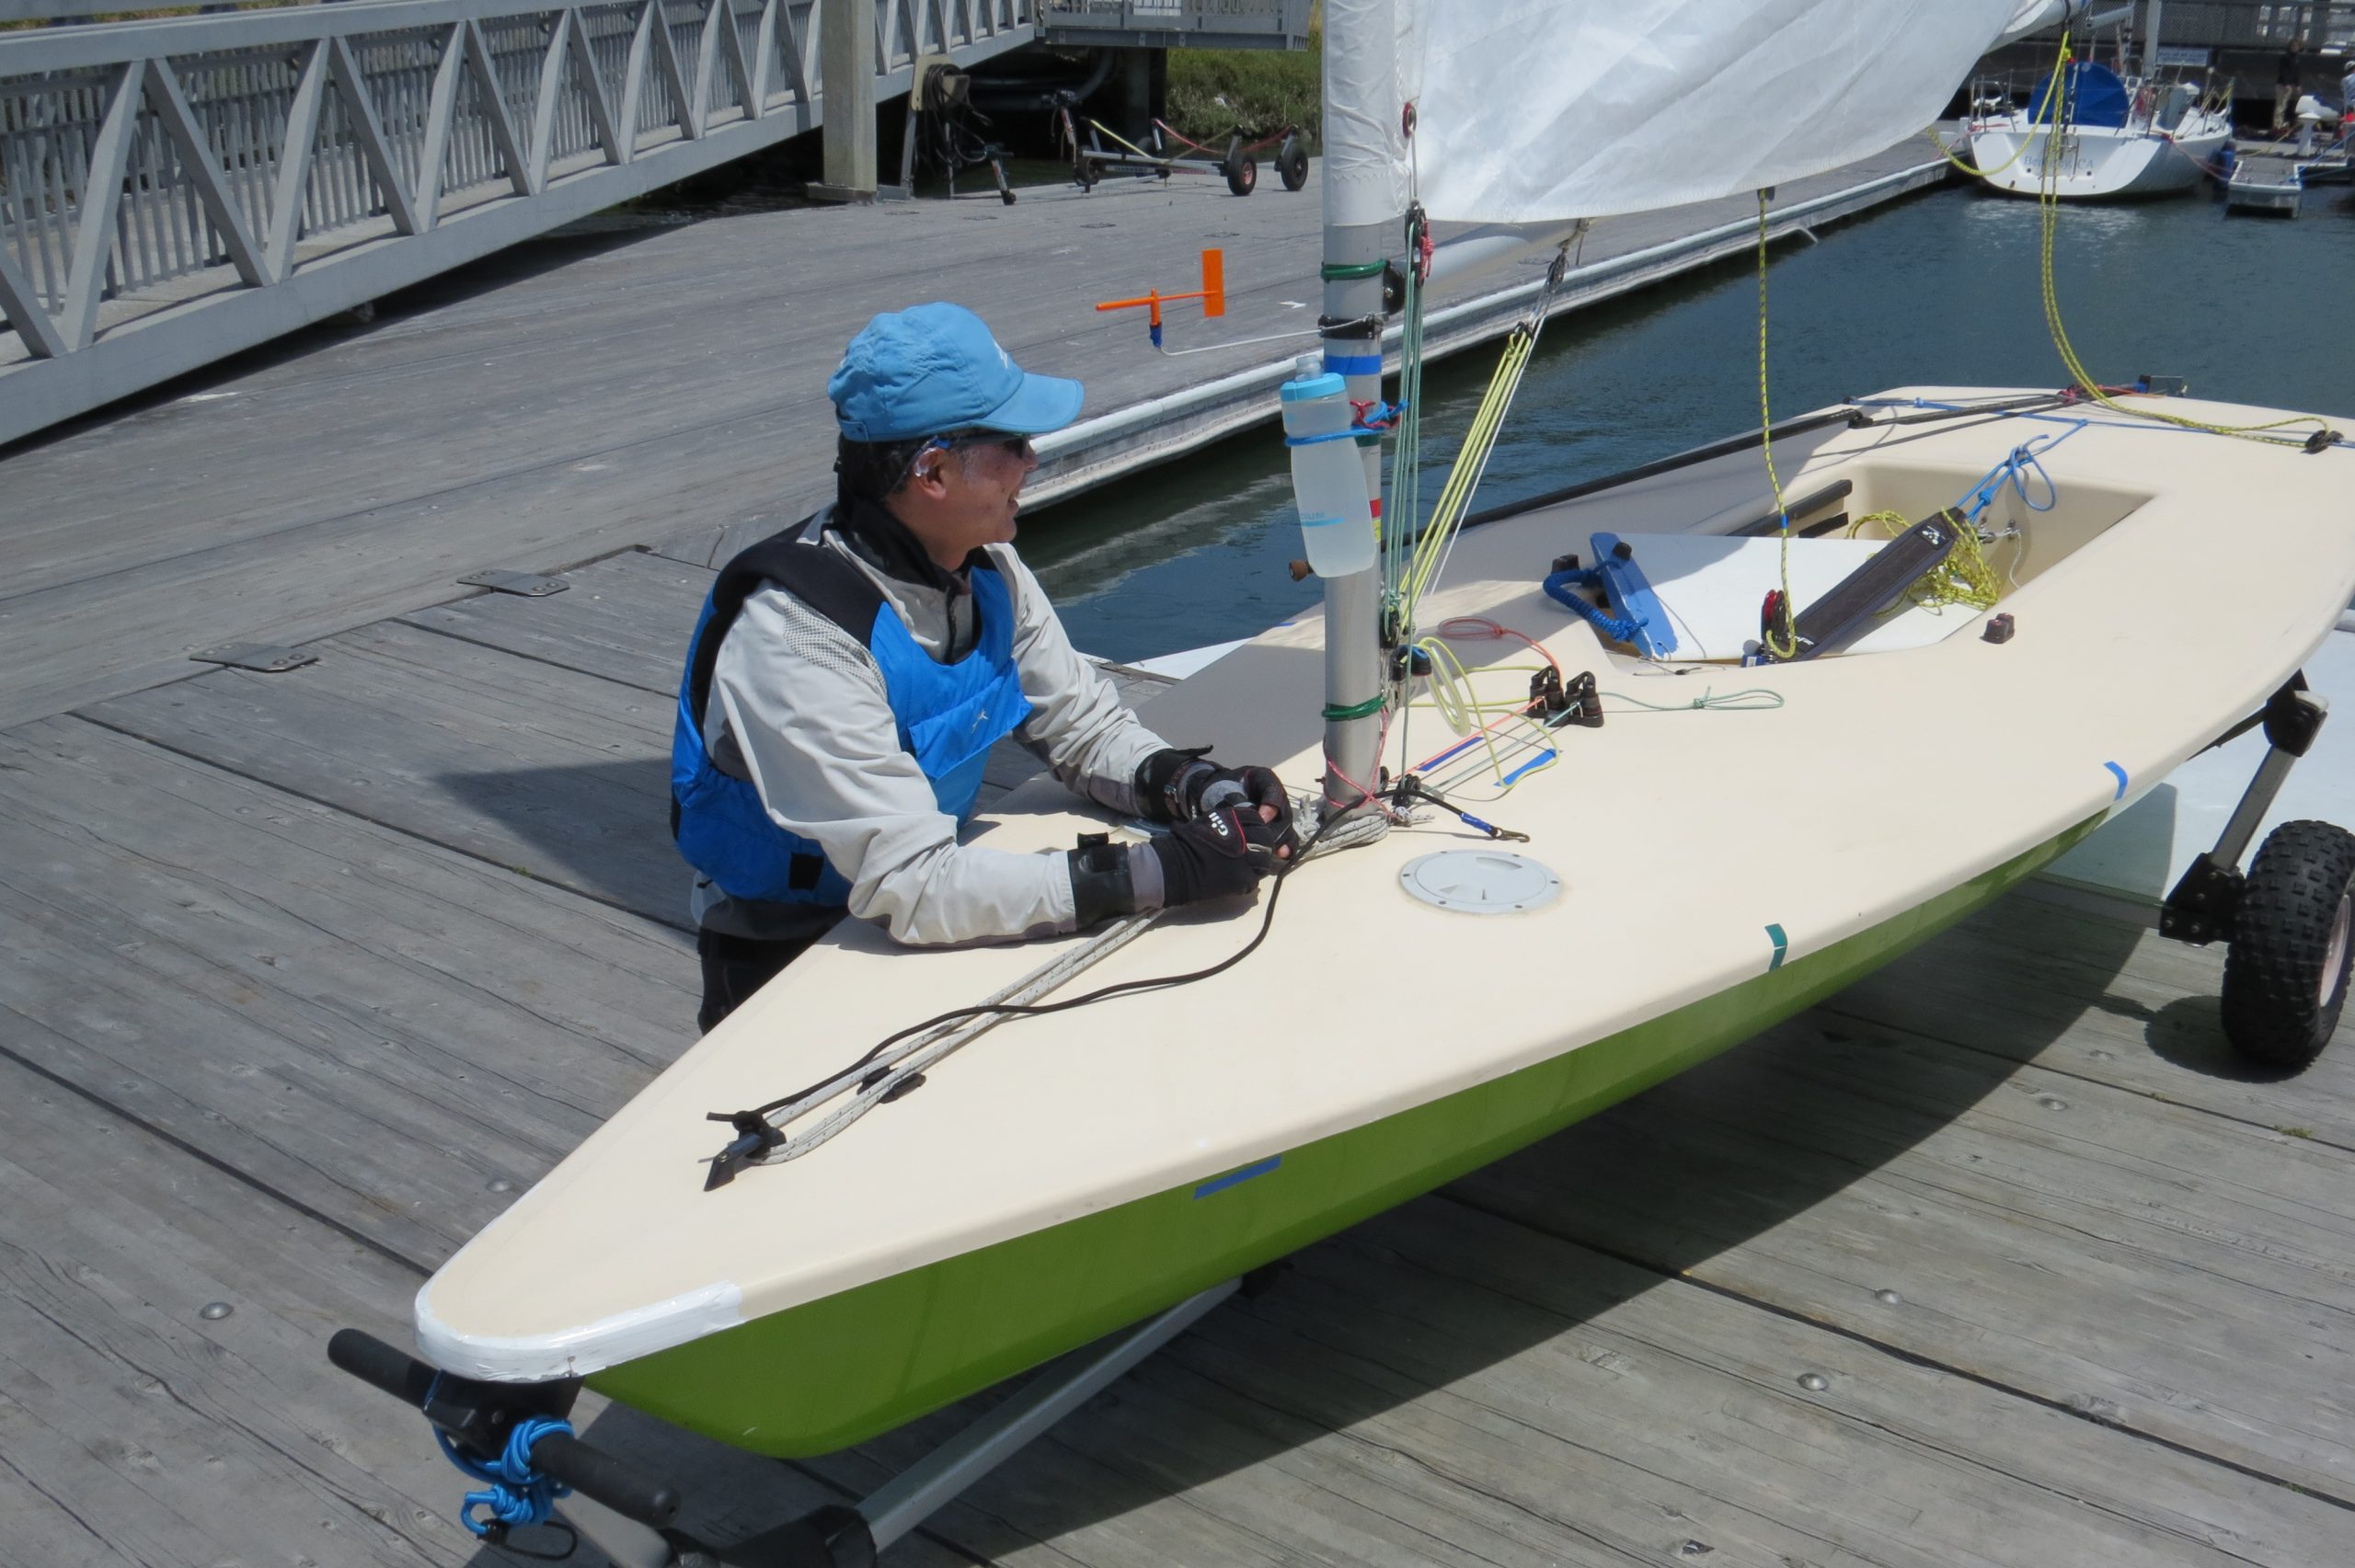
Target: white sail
[1533,111]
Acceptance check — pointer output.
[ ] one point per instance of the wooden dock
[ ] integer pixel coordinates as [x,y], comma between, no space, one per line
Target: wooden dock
[1995,1258]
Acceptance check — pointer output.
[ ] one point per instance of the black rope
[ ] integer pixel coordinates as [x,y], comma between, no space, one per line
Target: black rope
[1033,1010]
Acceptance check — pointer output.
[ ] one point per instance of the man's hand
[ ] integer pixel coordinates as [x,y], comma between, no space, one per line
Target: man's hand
[1223,853]
[1179,787]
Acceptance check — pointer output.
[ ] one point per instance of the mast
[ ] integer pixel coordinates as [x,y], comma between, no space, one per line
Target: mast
[1361,228]
[2151,41]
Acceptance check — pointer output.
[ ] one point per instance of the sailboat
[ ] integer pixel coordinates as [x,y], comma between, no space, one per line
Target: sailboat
[2086,134]
[1641,828]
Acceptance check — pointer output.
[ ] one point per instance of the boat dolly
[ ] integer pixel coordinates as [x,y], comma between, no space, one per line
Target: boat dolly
[1238,164]
[629,1516]
[2289,919]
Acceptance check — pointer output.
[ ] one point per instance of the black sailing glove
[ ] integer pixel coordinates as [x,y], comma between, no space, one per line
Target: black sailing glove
[1223,855]
[1177,784]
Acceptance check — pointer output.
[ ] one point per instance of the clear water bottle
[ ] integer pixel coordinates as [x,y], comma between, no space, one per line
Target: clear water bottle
[1328,477]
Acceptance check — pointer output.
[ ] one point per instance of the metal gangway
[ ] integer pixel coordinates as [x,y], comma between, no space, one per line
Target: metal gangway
[176,190]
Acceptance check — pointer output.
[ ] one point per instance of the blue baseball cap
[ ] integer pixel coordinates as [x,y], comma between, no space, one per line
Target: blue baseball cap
[931,369]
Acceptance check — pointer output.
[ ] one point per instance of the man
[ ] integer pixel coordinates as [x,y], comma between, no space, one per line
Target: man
[850,674]
[2287,76]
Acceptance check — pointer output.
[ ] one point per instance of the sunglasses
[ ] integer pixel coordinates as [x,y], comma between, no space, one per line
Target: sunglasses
[1016,446]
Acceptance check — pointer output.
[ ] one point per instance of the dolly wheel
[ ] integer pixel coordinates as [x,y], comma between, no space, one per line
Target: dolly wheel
[2285,977]
[1242,176]
[1292,163]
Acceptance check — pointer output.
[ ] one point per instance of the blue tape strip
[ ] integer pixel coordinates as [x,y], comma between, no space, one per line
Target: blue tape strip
[1232,1178]
[1353,364]
[1782,945]
[2120,774]
[1532,763]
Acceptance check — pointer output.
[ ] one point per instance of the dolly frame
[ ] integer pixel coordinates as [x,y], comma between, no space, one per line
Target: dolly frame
[2201,907]
[626,1516]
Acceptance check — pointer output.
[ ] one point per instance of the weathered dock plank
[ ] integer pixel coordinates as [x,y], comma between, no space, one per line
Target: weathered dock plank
[625,618]
[562,775]
[374,1027]
[139,1431]
[2031,982]
[1868,1160]
[1440,1386]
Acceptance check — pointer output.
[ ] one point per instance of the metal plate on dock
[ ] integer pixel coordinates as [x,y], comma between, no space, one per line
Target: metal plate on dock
[267,658]
[531,585]
[1480,882]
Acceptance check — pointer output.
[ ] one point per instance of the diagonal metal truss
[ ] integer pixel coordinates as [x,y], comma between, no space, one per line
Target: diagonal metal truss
[175,190]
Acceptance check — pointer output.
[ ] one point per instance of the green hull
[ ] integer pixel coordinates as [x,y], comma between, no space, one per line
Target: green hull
[837,1371]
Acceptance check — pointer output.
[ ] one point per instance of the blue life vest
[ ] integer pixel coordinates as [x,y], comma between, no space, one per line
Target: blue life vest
[949,717]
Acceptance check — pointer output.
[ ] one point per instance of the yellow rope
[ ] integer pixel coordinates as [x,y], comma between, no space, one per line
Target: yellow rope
[2050,119]
[1789,645]
[1973,170]
[1963,577]
[2049,202]
[1479,440]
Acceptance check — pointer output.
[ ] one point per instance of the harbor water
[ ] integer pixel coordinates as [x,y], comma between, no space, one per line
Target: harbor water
[1944,289]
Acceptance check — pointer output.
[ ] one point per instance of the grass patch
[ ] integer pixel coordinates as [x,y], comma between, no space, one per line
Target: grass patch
[1211,91]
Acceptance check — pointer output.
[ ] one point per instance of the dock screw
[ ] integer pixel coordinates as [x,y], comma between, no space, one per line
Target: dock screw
[1889,1297]
[2052,1101]
[213,1311]
[499,1185]
[1814,1382]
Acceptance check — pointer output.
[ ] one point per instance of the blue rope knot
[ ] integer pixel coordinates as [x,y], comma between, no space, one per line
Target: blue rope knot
[2014,471]
[517,1494]
[1558,588]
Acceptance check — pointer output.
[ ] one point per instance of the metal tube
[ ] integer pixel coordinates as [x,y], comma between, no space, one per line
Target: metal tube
[2255,801]
[1362,225]
[909,1498]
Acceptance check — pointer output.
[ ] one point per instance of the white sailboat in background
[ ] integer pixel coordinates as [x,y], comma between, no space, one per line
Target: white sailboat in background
[2086,134]
[1431,1000]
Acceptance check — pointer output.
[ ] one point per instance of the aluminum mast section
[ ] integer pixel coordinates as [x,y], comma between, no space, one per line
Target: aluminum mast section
[1362,225]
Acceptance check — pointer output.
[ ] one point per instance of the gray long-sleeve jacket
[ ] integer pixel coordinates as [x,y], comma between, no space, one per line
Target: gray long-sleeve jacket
[798,706]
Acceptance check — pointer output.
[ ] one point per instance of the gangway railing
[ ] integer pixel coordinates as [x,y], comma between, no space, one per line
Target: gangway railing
[176,190]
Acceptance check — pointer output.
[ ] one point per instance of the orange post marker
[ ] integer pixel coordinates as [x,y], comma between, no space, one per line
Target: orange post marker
[1212,295]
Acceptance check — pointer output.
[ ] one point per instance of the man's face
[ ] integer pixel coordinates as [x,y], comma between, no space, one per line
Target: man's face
[962,497]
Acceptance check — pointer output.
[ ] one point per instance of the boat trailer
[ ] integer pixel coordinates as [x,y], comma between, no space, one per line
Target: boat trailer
[1238,164]
[630,1515]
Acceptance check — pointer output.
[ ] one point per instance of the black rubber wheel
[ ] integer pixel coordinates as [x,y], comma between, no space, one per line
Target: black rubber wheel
[1244,177]
[1292,163]
[2285,975]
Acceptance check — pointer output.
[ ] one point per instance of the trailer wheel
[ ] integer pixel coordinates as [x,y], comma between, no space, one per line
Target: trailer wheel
[1242,176]
[2285,975]
[1292,163]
